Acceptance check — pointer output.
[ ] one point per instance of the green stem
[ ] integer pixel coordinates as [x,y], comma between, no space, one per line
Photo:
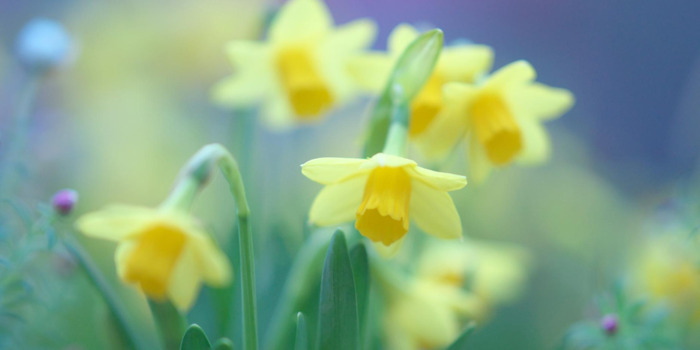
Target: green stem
[397,136]
[18,132]
[109,296]
[216,154]
[170,322]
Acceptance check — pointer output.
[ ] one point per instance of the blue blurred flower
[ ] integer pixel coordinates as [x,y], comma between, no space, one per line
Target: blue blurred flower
[43,44]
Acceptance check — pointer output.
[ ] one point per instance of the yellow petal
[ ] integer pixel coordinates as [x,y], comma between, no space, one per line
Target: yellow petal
[388,251]
[212,262]
[479,164]
[277,112]
[465,62]
[331,170]
[351,37]
[121,254]
[371,70]
[241,90]
[116,222]
[401,37]
[516,73]
[439,180]
[300,20]
[184,281]
[541,101]
[337,203]
[537,146]
[449,126]
[434,211]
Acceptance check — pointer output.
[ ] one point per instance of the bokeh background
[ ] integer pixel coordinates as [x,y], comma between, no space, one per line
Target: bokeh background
[117,124]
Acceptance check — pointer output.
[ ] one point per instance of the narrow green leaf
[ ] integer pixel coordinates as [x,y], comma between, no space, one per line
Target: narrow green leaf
[302,340]
[195,339]
[360,273]
[412,70]
[337,314]
[461,342]
[223,344]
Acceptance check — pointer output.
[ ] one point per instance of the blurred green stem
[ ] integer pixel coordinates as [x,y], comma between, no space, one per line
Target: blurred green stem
[16,135]
[110,297]
[170,322]
[396,139]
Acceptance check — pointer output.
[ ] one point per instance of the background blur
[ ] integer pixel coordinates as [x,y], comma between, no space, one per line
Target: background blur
[119,122]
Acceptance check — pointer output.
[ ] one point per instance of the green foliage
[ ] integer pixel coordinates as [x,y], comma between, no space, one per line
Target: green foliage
[461,342]
[302,338]
[361,275]
[195,339]
[338,326]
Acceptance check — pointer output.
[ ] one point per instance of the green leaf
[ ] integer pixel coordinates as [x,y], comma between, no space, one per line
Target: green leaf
[195,339]
[337,314]
[223,344]
[302,339]
[360,273]
[170,322]
[412,70]
[461,342]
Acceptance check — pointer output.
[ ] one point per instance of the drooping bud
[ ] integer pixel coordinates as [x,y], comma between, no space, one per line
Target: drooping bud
[43,44]
[64,201]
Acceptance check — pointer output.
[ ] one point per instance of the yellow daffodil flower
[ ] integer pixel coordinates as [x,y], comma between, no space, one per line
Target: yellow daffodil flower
[301,72]
[383,193]
[164,252]
[453,284]
[666,271]
[428,315]
[457,63]
[500,117]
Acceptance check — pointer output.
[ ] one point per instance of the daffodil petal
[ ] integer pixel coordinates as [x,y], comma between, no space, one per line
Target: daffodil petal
[465,62]
[536,141]
[121,254]
[479,165]
[516,73]
[434,211]
[388,251]
[184,281]
[331,170]
[212,262]
[337,203]
[353,36]
[115,222]
[239,91]
[541,101]
[439,180]
[371,70]
[300,20]
[450,125]
[277,112]
[248,54]
[401,37]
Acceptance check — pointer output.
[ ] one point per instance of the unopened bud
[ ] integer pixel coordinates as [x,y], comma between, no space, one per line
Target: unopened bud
[64,201]
[43,44]
[609,323]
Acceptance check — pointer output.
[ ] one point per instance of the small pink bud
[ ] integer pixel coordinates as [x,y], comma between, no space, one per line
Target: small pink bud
[609,323]
[64,201]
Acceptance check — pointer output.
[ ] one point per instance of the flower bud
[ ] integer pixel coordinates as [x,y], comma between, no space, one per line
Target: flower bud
[609,323]
[43,44]
[64,201]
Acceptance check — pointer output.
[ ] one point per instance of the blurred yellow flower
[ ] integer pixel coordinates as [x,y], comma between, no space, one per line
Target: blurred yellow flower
[500,117]
[165,252]
[454,283]
[457,63]
[382,193]
[302,71]
[428,315]
[666,270]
